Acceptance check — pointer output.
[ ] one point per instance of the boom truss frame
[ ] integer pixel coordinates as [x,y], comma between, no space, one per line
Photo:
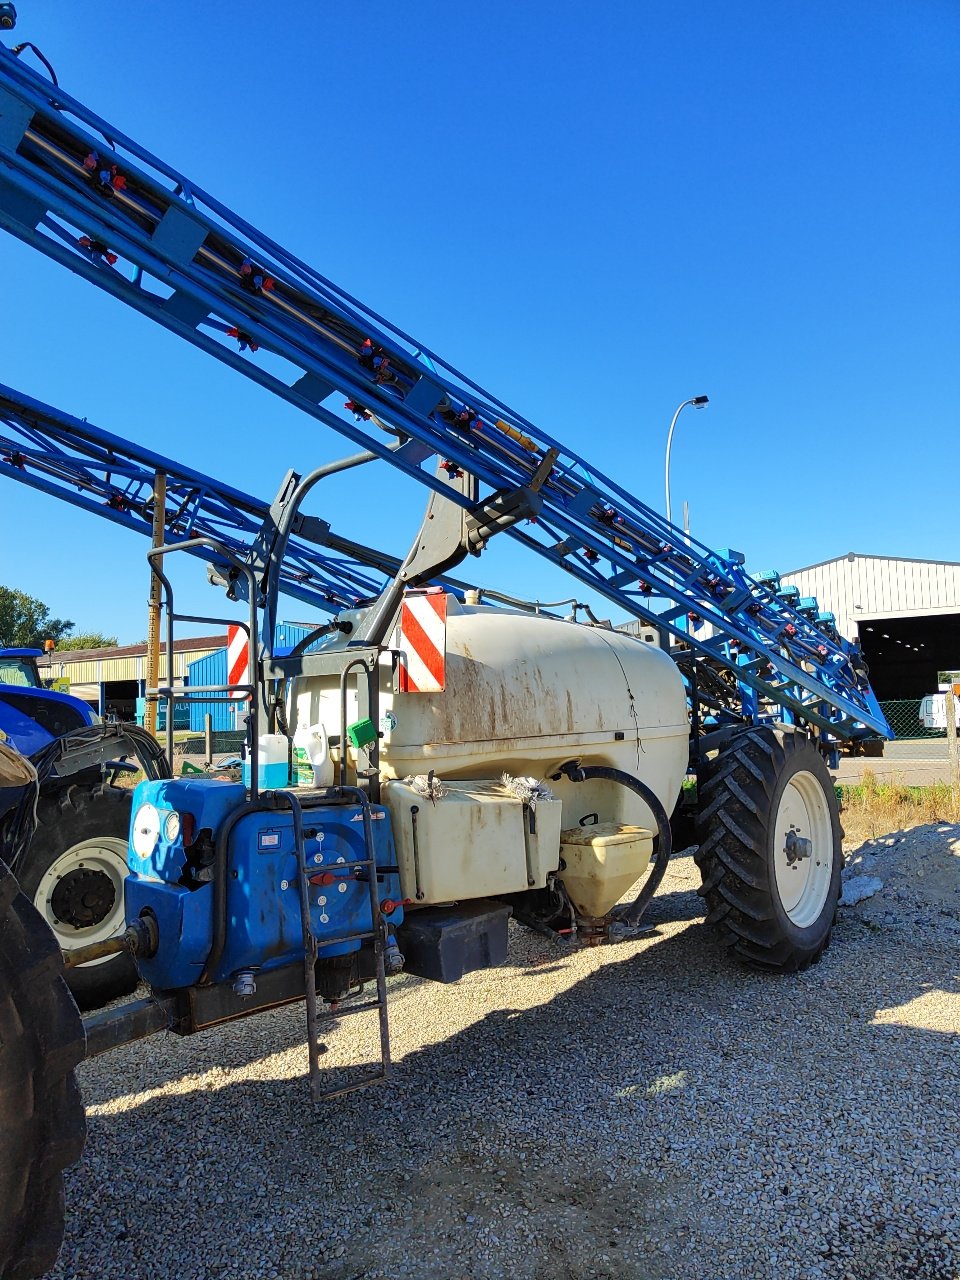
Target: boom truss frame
[94,200]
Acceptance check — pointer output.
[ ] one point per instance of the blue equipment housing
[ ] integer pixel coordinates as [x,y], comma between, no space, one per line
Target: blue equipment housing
[264,929]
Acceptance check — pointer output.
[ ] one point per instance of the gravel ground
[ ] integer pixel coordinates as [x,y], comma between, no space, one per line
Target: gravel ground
[644,1110]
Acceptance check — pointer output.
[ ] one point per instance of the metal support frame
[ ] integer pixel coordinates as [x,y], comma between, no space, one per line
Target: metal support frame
[172,691]
[161,244]
[114,478]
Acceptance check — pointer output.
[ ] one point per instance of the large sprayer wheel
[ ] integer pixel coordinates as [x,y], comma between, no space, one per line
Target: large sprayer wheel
[770,848]
[42,1127]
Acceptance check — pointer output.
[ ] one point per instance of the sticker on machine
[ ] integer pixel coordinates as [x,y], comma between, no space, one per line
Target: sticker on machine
[376,815]
[422,642]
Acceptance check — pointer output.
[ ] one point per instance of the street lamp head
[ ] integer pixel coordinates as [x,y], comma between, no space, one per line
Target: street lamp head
[700,402]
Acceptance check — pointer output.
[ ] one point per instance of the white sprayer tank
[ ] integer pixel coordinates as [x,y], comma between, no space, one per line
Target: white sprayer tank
[524,694]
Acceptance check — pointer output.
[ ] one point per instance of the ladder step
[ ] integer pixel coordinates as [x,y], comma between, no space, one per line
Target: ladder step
[342,1012]
[373,1078]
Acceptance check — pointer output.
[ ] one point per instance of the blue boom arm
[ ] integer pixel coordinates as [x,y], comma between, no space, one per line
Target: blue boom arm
[115,478]
[94,200]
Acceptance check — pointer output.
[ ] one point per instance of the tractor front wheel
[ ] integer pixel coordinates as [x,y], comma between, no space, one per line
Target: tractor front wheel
[73,872]
[770,849]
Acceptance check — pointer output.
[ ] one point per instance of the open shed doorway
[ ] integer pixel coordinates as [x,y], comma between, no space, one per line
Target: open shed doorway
[906,655]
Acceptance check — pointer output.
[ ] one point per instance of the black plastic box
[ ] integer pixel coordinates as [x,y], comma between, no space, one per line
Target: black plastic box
[444,943]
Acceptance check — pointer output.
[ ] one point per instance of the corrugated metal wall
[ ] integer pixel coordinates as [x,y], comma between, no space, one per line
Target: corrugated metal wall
[858,587]
[289,634]
[97,670]
[213,670]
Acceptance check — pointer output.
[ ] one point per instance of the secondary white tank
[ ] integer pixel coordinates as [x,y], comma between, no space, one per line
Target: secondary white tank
[525,693]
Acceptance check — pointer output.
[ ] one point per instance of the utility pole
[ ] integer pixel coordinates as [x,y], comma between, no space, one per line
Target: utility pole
[950,702]
[153,617]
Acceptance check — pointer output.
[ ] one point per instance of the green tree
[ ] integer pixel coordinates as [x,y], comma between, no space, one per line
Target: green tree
[25,622]
[88,640]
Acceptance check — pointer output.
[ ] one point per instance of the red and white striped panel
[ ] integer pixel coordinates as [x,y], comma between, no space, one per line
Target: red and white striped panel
[238,660]
[423,643]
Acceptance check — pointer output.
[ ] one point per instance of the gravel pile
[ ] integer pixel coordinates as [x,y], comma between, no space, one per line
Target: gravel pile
[642,1110]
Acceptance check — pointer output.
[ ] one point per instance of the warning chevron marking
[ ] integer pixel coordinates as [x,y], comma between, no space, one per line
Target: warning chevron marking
[238,660]
[423,643]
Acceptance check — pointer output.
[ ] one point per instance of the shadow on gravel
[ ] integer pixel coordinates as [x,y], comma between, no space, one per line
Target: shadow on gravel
[668,1116]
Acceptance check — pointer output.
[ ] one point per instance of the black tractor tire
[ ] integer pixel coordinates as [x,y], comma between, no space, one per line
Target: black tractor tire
[42,1126]
[84,904]
[757,797]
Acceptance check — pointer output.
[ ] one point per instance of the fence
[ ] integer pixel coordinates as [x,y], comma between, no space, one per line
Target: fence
[189,742]
[225,742]
[913,741]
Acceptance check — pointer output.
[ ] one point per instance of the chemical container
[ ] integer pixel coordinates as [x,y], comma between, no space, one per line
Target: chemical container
[273,763]
[312,765]
[474,841]
[523,694]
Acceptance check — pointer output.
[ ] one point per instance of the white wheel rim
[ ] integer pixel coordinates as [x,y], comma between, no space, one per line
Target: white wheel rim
[106,855]
[803,850]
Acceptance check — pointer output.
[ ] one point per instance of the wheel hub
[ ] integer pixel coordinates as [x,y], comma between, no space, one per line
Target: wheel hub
[803,861]
[83,898]
[796,847]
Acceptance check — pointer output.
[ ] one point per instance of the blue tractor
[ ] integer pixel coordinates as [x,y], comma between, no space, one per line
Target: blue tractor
[73,868]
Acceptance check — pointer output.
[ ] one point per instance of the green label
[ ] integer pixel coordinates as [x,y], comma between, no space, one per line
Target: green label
[302,768]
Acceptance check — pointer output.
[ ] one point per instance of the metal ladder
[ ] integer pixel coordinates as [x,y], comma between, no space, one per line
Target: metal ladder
[377,934]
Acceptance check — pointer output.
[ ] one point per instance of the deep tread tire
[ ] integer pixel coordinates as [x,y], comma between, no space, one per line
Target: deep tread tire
[65,820]
[739,796]
[42,1126]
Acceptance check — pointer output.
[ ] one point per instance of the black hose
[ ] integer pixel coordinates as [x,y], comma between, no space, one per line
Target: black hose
[220,886]
[27,44]
[325,629]
[664,840]
[221,869]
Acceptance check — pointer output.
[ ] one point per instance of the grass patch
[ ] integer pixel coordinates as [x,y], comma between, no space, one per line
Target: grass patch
[883,805]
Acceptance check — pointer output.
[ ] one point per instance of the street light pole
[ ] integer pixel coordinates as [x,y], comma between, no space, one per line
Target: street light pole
[698,402]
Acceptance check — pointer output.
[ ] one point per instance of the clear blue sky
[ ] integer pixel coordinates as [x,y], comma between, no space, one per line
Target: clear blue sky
[595,210]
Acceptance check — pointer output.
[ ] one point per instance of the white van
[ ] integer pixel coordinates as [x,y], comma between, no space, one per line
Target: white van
[933,711]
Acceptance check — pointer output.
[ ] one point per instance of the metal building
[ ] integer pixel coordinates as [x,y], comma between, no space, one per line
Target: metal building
[904,613]
[227,714]
[112,680]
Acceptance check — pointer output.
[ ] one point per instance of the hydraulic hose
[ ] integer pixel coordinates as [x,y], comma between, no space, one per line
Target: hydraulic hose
[664,840]
[220,886]
[221,870]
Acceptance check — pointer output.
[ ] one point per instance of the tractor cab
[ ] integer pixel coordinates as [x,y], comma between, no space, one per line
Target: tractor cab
[19,667]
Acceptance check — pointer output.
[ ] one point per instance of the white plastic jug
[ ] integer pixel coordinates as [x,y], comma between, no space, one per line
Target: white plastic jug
[312,765]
